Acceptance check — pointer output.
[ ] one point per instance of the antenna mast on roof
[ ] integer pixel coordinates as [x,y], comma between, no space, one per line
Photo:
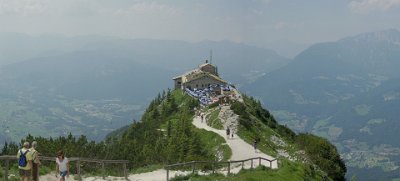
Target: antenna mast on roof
[211,56]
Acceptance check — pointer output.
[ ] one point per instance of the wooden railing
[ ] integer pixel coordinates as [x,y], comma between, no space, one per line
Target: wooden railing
[7,158]
[215,164]
[193,164]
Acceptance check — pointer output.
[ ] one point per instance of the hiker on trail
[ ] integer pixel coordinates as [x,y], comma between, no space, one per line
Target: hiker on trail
[255,144]
[233,133]
[228,132]
[62,166]
[24,157]
[202,117]
[35,161]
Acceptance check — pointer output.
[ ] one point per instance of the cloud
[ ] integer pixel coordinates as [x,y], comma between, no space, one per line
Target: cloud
[281,25]
[265,1]
[149,8]
[23,7]
[367,6]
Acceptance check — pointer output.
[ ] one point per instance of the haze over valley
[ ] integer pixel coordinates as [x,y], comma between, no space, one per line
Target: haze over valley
[93,67]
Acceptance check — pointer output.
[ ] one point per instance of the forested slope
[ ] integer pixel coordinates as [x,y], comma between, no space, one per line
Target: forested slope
[165,135]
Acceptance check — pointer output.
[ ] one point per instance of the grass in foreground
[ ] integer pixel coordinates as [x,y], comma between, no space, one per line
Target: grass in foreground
[288,171]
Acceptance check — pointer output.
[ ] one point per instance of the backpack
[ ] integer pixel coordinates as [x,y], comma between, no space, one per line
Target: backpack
[22,158]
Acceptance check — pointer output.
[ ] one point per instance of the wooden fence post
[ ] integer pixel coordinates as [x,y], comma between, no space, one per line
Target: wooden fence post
[229,168]
[125,172]
[103,170]
[242,164]
[259,161]
[193,167]
[6,170]
[251,163]
[167,174]
[270,164]
[78,167]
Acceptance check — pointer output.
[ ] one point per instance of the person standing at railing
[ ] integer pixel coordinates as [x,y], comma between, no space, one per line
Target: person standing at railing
[62,166]
[35,161]
[24,157]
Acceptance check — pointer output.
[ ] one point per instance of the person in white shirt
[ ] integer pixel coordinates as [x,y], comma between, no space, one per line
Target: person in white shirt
[62,166]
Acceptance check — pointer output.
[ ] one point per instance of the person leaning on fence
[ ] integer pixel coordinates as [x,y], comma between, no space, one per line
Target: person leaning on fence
[24,157]
[35,161]
[62,166]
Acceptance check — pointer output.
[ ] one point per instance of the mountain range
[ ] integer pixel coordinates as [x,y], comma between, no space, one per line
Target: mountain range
[93,85]
[347,91]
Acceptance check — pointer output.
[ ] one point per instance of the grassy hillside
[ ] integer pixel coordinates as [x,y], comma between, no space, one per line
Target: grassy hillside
[306,150]
[165,135]
[301,156]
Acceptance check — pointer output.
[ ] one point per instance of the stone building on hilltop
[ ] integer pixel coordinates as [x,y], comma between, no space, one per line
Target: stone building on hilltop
[199,78]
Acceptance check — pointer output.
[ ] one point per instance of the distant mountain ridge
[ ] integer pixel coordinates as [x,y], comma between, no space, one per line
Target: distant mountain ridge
[345,91]
[94,85]
[389,36]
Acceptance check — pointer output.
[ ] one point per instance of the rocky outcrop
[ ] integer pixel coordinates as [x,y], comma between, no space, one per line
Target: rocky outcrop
[228,118]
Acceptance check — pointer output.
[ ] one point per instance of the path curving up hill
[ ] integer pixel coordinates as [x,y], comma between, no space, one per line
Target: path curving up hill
[240,151]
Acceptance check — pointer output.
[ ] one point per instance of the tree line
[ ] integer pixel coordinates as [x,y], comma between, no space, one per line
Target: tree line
[163,135]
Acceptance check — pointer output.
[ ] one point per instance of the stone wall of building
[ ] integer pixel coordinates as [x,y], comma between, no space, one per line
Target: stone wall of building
[209,68]
[178,83]
[203,82]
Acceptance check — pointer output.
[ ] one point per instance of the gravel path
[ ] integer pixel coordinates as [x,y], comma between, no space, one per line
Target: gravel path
[157,175]
[240,151]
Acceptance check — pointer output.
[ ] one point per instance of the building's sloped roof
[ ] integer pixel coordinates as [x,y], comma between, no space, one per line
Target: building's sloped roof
[199,75]
[177,77]
[205,64]
[194,71]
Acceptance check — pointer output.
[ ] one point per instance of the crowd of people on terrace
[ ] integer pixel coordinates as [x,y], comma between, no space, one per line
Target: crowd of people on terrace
[209,95]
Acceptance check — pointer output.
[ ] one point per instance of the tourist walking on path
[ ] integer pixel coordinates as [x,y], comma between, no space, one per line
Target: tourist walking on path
[62,166]
[228,132]
[24,157]
[35,161]
[255,145]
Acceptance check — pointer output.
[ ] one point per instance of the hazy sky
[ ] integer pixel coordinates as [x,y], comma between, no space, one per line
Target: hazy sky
[265,23]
